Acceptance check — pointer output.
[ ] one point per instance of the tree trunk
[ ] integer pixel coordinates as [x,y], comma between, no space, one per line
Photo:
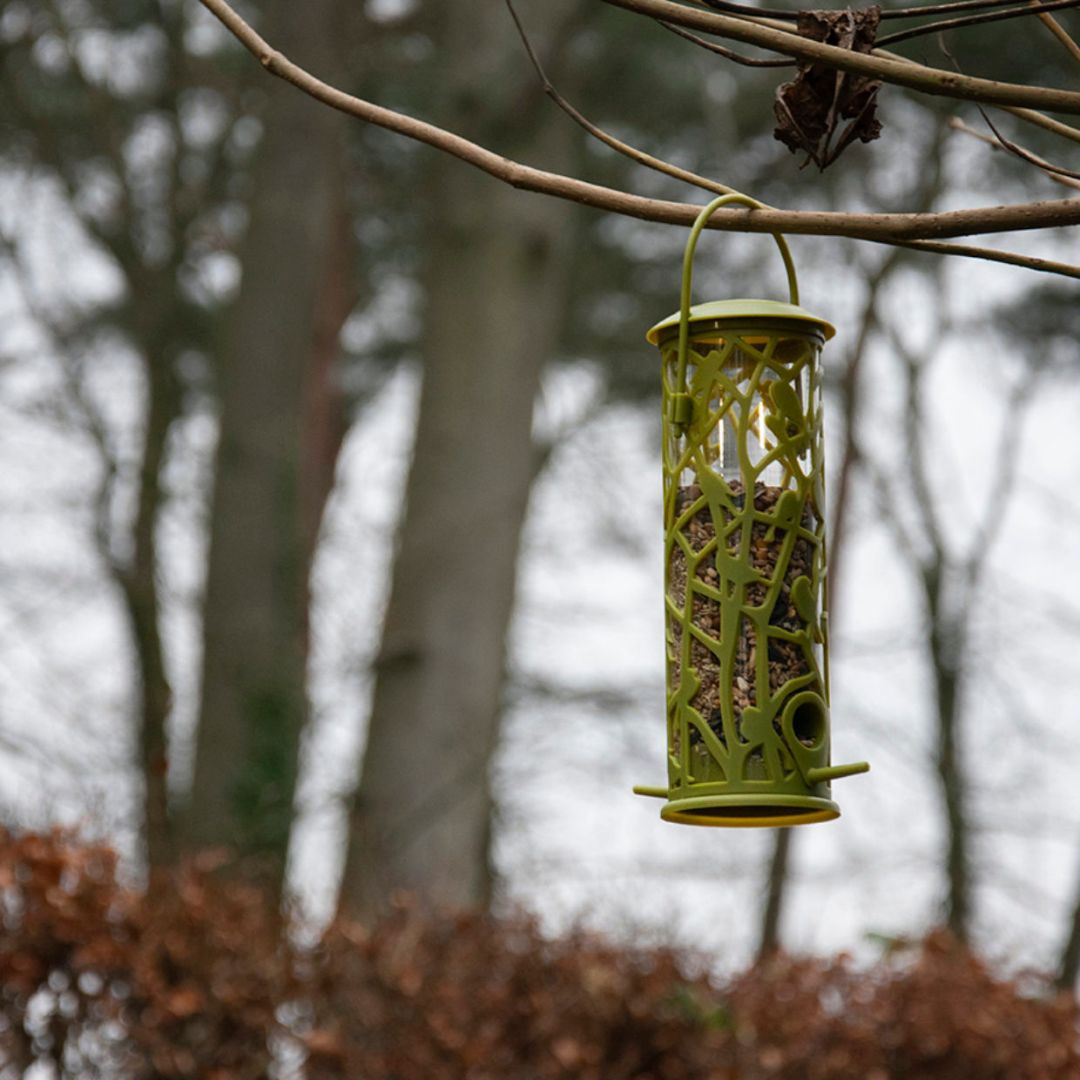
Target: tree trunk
[275,454]
[1069,961]
[849,393]
[776,891]
[953,792]
[138,585]
[495,277]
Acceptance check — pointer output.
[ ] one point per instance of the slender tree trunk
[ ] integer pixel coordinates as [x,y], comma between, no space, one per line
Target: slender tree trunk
[275,455]
[948,762]
[850,401]
[776,892]
[495,302]
[1069,961]
[138,585]
[839,532]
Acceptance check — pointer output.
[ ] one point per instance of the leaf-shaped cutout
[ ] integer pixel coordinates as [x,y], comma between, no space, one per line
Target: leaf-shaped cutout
[788,509]
[802,596]
[715,490]
[777,425]
[756,725]
[787,402]
[731,569]
[788,434]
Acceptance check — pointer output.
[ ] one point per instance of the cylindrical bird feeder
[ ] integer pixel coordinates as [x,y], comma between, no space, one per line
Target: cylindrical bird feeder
[745,560]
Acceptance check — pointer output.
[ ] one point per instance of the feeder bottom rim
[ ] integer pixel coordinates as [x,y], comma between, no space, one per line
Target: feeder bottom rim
[786,810]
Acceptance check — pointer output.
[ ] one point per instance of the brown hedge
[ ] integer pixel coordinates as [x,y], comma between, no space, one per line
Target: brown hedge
[191,978]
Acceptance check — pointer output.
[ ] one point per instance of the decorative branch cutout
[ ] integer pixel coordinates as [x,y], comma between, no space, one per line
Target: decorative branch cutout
[809,109]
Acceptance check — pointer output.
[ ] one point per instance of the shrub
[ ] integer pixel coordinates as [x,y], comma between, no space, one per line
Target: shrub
[192,977]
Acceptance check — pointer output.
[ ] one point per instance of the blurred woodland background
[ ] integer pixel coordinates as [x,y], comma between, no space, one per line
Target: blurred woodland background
[330,570]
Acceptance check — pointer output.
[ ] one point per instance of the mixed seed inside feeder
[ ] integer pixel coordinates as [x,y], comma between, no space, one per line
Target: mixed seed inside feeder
[784,659]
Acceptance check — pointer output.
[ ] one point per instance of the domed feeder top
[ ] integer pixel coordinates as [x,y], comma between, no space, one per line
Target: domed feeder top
[717,313]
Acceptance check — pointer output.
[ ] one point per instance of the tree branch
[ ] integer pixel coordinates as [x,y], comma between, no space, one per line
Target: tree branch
[893,228]
[1034,8]
[998,142]
[727,54]
[890,13]
[890,69]
[1059,32]
[885,227]
[632,152]
[685,175]
[1030,116]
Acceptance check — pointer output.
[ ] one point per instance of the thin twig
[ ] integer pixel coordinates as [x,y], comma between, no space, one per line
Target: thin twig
[696,179]
[632,152]
[1045,122]
[728,54]
[1033,8]
[884,228]
[959,125]
[998,142]
[1021,152]
[890,69]
[1029,262]
[894,13]
[1059,32]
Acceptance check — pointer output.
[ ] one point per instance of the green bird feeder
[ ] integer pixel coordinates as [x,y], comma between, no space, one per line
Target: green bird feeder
[745,560]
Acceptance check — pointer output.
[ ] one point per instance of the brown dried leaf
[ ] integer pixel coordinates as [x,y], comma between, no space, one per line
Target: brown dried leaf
[324,1043]
[184,1002]
[810,108]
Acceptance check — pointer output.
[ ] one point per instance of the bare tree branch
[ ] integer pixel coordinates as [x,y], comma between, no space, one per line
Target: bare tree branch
[618,145]
[1056,171]
[1066,176]
[959,125]
[1059,32]
[728,54]
[1034,8]
[891,13]
[669,169]
[906,229]
[86,412]
[890,69]
[1047,123]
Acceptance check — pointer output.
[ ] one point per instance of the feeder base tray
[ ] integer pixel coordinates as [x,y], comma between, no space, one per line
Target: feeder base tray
[741,811]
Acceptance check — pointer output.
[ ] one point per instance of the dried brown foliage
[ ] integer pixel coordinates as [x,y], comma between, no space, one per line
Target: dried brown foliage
[190,978]
[182,979]
[935,1012]
[810,109]
[475,997]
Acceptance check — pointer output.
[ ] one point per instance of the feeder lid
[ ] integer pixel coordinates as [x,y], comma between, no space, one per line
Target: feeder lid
[741,311]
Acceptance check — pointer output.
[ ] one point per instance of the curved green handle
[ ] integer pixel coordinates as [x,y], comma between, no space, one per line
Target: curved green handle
[681,406]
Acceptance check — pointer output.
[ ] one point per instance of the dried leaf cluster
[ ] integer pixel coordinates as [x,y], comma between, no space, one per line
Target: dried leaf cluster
[193,977]
[811,108]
